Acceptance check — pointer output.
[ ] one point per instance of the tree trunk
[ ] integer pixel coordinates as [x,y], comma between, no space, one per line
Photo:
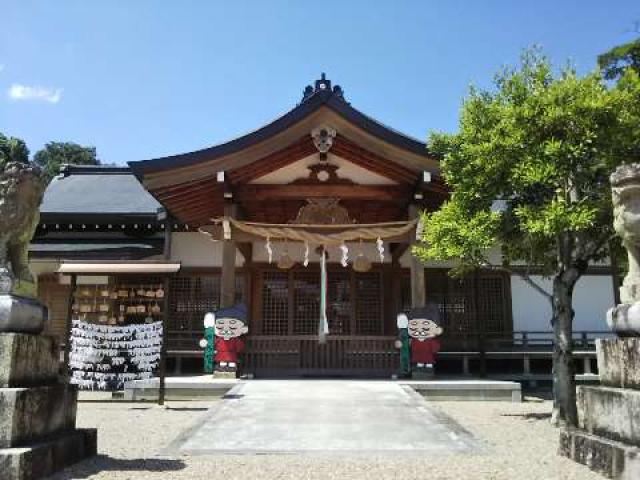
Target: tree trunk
[564,386]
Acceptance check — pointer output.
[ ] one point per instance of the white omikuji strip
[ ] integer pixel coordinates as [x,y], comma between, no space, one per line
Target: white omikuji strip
[97,349]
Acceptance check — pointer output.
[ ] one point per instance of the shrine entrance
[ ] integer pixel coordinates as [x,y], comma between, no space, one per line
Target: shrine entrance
[285,342]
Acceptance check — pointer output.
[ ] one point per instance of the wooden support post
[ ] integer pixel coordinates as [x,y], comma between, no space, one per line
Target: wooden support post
[228,281]
[67,345]
[165,314]
[526,364]
[418,290]
[586,362]
[465,365]
[163,345]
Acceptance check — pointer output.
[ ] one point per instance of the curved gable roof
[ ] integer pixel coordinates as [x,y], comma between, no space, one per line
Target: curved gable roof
[313,100]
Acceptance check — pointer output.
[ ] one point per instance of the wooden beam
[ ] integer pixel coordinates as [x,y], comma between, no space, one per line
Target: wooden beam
[364,158]
[296,151]
[392,193]
[67,346]
[228,280]
[397,250]
[208,190]
[246,249]
[182,186]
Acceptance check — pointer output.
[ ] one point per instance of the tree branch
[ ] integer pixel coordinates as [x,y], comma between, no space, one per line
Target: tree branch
[527,279]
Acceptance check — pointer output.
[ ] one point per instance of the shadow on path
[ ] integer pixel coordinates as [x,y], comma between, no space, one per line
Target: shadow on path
[104,463]
[529,416]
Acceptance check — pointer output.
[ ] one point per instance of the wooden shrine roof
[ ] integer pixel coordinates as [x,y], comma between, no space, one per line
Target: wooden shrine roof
[187,185]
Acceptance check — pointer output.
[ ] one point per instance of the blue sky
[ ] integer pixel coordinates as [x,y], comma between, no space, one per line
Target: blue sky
[142,79]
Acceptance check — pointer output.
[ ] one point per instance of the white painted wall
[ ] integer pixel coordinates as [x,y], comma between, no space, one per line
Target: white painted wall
[195,249]
[592,297]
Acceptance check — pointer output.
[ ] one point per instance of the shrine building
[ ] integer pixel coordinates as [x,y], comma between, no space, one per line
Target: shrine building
[250,221]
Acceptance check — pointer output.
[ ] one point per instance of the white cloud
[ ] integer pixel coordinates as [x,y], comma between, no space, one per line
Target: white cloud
[25,92]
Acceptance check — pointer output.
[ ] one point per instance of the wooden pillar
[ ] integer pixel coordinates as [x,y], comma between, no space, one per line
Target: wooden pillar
[67,343]
[228,281]
[418,289]
[163,345]
[165,313]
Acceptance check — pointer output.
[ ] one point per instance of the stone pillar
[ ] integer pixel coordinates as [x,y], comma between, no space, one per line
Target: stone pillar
[608,435]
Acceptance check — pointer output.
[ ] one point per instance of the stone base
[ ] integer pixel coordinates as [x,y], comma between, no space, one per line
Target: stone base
[21,314]
[27,414]
[220,375]
[610,412]
[44,458]
[619,362]
[423,373]
[610,458]
[28,360]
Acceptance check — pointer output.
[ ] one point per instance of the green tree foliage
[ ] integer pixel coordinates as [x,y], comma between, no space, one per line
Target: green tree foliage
[12,150]
[543,145]
[55,154]
[617,60]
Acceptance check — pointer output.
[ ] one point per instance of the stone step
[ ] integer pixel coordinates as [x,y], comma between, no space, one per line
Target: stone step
[608,457]
[610,412]
[28,360]
[618,360]
[41,459]
[30,413]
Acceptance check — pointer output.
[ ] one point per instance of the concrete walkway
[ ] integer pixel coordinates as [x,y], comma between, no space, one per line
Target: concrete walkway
[285,416]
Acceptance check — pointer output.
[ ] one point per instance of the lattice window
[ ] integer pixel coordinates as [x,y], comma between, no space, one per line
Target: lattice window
[456,299]
[368,292]
[339,304]
[491,300]
[306,302]
[192,296]
[275,303]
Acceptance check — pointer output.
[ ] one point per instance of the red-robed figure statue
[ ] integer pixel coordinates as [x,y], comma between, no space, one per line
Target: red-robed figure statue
[423,329]
[230,325]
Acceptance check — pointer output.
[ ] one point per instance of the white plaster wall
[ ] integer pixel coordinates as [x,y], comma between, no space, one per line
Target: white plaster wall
[195,249]
[405,260]
[592,297]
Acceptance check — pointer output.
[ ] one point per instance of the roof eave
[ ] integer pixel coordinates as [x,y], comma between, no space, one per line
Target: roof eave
[304,109]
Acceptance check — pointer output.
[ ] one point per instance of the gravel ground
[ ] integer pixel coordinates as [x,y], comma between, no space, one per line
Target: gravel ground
[518,443]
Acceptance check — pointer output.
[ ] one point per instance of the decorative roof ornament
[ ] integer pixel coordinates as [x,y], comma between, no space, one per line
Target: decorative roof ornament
[323,139]
[323,211]
[322,85]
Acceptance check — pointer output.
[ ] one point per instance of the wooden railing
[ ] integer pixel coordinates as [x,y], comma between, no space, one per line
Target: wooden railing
[304,355]
[517,340]
[187,340]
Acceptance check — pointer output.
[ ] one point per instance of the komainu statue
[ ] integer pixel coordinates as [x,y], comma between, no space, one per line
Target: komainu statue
[21,190]
[624,319]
